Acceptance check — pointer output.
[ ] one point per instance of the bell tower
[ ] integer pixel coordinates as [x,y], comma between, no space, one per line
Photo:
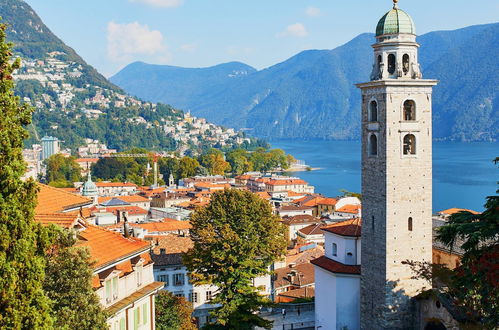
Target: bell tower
[396,175]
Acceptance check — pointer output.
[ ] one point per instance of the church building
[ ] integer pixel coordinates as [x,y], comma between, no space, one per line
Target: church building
[396,182]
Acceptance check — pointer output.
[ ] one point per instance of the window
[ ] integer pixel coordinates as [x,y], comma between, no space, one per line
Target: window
[372,222]
[145,311]
[335,250]
[409,144]
[209,295]
[163,278]
[373,145]
[373,111]
[179,294]
[111,287]
[409,110]
[138,272]
[193,297]
[409,223]
[405,64]
[178,279]
[391,63]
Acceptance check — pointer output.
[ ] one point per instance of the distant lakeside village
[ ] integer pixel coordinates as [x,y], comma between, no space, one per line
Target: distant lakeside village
[341,250]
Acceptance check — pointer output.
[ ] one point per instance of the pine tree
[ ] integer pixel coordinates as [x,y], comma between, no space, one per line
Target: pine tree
[236,239]
[23,304]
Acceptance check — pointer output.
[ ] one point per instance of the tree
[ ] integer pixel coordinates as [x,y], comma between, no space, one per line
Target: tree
[239,160]
[69,272]
[62,169]
[23,304]
[236,239]
[215,162]
[187,167]
[173,313]
[475,283]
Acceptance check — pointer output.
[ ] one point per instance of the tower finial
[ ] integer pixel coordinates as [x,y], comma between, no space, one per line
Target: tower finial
[395,4]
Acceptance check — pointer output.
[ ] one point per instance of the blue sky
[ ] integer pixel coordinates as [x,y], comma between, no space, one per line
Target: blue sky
[110,34]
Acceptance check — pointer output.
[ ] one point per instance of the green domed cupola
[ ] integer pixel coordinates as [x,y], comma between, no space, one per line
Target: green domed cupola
[394,22]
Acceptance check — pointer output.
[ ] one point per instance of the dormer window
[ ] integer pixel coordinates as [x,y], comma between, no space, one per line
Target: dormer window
[138,272]
[111,288]
[335,250]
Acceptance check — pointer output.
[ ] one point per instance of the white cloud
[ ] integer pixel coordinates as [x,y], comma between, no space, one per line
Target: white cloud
[294,30]
[160,3]
[189,48]
[124,41]
[312,11]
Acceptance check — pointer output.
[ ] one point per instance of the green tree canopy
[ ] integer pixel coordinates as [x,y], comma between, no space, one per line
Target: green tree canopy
[173,313]
[236,239]
[75,305]
[23,303]
[62,169]
[213,160]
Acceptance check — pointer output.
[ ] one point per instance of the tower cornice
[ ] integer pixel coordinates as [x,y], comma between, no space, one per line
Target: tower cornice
[398,83]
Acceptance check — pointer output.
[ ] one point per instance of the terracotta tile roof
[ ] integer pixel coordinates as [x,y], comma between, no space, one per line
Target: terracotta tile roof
[165,225]
[264,195]
[456,210]
[212,185]
[305,256]
[70,190]
[53,200]
[350,227]
[286,182]
[294,208]
[128,199]
[300,219]
[305,276]
[294,193]
[132,210]
[243,177]
[354,209]
[115,184]
[174,247]
[313,229]
[336,267]
[305,292]
[107,247]
[327,201]
[60,219]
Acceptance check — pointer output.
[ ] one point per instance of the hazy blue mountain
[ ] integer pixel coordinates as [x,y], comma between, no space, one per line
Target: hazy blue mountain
[312,94]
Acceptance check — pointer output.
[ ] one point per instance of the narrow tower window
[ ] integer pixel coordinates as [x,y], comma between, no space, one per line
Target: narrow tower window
[335,250]
[409,144]
[409,110]
[409,223]
[405,63]
[373,145]
[391,63]
[373,111]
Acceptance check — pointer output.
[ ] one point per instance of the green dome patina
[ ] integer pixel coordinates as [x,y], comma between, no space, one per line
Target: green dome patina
[89,187]
[394,22]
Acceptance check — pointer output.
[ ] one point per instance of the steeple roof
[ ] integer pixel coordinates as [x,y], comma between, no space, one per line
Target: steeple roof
[394,22]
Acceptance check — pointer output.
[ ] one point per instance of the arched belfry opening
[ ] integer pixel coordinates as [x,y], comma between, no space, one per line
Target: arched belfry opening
[409,110]
[405,64]
[409,144]
[373,111]
[391,63]
[373,145]
[434,325]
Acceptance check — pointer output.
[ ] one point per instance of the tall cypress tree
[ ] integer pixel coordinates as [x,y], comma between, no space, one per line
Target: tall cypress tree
[23,304]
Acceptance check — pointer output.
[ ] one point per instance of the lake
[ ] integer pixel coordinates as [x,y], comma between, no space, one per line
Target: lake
[463,173]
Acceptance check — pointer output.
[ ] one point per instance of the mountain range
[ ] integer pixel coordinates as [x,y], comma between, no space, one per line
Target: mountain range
[312,94]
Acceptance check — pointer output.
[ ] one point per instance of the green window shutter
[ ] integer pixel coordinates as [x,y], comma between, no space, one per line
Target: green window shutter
[122,324]
[136,319]
[144,313]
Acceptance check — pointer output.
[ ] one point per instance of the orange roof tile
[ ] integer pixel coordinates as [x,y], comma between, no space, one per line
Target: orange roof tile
[286,182]
[87,160]
[349,209]
[61,219]
[107,247]
[53,200]
[165,225]
[457,210]
[327,201]
[172,244]
[132,210]
[346,228]
[336,267]
[128,199]
[264,195]
[294,193]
